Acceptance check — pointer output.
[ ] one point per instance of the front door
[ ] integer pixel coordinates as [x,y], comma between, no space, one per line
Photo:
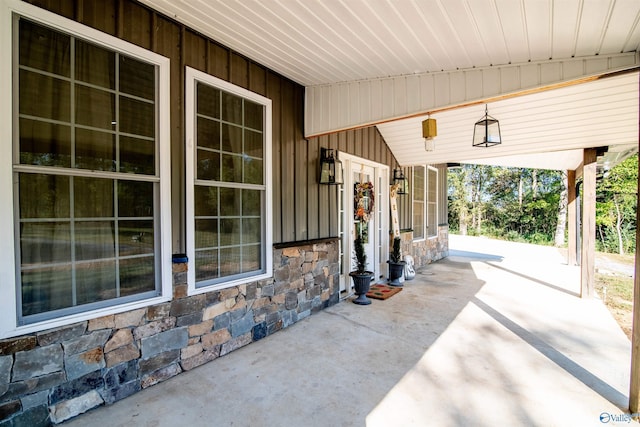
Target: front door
[364,209]
[365,182]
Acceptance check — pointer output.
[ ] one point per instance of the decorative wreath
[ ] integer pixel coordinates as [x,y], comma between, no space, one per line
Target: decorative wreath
[363,200]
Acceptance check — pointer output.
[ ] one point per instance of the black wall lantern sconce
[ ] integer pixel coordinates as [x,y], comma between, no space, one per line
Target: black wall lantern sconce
[400,181]
[330,167]
[486,131]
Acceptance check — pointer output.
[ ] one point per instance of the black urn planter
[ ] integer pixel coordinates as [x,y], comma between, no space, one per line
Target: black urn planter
[396,270]
[361,283]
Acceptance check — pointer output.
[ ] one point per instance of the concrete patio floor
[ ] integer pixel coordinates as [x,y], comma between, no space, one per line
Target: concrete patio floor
[493,335]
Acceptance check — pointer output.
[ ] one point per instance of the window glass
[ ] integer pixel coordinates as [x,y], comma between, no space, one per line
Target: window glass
[137,275]
[86,128]
[44,49]
[95,65]
[94,240]
[208,100]
[137,78]
[45,242]
[95,107]
[44,144]
[95,150]
[253,143]
[253,115]
[208,133]
[44,196]
[208,165]
[137,155]
[34,87]
[137,117]
[231,108]
[135,199]
[231,138]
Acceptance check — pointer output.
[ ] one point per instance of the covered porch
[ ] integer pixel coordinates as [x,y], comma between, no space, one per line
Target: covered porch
[494,334]
[561,77]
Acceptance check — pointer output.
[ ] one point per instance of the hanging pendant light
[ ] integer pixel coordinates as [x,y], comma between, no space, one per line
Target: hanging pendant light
[429,132]
[486,131]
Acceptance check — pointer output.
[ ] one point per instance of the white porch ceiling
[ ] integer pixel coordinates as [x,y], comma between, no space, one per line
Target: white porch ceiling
[328,41]
[338,42]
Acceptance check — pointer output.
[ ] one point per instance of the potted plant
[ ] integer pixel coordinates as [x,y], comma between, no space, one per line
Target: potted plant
[363,209]
[396,264]
[361,277]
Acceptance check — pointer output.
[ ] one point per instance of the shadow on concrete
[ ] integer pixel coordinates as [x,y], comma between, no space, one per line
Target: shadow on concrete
[573,368]
[533,279]
[474,256]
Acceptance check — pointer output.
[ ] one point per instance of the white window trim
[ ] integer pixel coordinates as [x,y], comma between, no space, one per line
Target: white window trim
[8,289]
[426,202]
[192,76]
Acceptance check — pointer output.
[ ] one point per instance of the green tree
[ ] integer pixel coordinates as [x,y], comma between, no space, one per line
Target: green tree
[530,204]
[509,203]
[616,207]
[458,205]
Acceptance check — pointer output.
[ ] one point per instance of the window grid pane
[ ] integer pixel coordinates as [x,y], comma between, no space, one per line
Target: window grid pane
[230,137]
[229,227]
[88,99]
[89,249]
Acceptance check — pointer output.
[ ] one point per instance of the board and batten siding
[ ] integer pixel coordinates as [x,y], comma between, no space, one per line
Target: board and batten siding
[302,209]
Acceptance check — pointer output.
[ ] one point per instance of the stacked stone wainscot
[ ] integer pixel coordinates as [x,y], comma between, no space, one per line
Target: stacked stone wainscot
[54,375]
[426,251]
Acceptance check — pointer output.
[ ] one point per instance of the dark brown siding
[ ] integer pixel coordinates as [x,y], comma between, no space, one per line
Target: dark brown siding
[136,24]
[302,209]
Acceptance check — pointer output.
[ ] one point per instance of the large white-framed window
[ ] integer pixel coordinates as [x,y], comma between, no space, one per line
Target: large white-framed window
[425,202]
[229,225]
[88,128]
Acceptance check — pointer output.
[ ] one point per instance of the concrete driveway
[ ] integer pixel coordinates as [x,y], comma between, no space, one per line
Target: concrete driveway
[494,335]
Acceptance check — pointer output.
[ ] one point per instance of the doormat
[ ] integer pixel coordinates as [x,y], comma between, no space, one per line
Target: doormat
[380,291]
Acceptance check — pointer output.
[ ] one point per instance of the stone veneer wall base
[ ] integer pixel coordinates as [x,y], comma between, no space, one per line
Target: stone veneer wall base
[426,251]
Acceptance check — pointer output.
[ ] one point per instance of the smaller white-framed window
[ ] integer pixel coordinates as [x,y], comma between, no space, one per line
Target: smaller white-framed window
[228,194]
[424,194]
[88,129]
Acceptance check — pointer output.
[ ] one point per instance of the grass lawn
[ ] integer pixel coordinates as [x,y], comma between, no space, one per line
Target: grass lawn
[616,290]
